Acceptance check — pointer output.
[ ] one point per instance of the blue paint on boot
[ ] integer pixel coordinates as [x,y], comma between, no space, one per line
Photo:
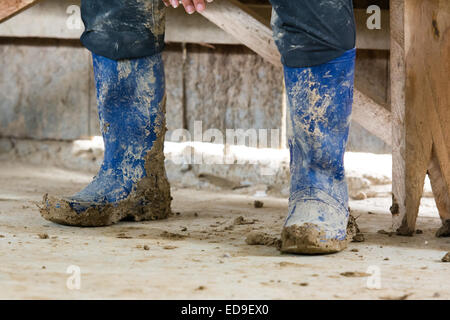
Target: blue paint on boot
[130,96]
[320,100]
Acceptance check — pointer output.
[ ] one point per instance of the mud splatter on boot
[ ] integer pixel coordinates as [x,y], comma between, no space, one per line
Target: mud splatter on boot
[132,182]
[320,100]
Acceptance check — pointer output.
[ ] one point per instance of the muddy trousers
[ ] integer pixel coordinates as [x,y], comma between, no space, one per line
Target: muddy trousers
[307,33]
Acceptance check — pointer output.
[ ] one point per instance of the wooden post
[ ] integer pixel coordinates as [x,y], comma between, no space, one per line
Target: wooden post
[420,68]
[9,8]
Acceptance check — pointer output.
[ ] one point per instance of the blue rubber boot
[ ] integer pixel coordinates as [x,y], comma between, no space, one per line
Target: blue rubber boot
[131,183]
[320,100]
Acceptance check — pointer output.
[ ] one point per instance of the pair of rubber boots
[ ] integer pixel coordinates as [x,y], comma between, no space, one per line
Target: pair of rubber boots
[132,183]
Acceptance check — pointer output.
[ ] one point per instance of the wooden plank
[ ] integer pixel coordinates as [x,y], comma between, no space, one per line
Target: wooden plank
[436,72]
[372,116]
[420,49]
[440,188]
[245,25]
[411,148]
[9,8]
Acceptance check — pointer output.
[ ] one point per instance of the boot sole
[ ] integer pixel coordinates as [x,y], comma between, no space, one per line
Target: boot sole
[59,211]
[307,239]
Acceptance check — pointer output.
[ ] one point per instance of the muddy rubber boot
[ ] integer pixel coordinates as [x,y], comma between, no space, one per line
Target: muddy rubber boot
[132,182]
[320,100]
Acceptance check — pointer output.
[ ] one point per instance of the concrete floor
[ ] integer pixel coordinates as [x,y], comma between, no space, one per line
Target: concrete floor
[209,259]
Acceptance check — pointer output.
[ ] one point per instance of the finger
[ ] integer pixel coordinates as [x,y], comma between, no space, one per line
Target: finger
[199,5]
[188,6]
[174,3]
[166,3]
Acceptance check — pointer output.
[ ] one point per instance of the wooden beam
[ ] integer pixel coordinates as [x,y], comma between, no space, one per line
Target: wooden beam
[420,55]
[9,8]
[373,117]
[440,188]
[243,24]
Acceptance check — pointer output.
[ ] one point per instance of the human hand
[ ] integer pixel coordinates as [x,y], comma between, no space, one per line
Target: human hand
[189,5]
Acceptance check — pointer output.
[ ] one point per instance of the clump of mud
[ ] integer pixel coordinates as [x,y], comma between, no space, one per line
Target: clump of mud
[172,236]
[355,274]
[353,232]
[264,239]
[242,221]
[446,258]
[444,231]
[258,204]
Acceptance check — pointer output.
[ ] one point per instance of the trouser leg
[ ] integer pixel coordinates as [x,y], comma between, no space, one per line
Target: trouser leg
[123,29]
[310,33]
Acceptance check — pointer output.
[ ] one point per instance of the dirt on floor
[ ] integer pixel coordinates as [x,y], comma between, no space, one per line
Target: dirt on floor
[201,251]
